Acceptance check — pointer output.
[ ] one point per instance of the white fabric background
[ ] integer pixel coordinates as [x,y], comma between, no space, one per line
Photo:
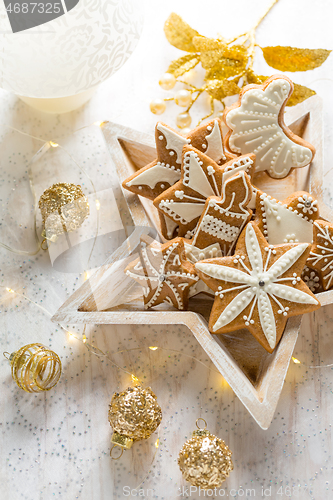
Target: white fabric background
[56,445]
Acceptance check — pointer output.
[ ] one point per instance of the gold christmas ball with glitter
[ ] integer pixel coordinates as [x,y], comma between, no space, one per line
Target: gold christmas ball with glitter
[205,460]
[35,368]
[64,208]
[134,414]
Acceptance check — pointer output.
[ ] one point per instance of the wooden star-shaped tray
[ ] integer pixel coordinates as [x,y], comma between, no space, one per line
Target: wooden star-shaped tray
[110,297]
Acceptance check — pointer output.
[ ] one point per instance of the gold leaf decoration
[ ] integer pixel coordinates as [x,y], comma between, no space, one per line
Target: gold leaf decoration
[179,33]
[294,59]
[180,66]
[229,63]
[251,77]
[219,89]
[299,94]
[214,54]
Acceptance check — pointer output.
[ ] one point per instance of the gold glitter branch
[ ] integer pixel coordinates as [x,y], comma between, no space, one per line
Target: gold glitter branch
[228,66]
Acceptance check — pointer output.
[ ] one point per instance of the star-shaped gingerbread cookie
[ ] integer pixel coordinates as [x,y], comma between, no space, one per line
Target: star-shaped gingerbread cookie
[287,221]
[151,180]
[163,272]
[201,178]
[321,255]
[258,287]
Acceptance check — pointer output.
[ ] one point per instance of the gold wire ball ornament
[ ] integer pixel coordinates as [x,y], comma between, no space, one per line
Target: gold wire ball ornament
[134,414]
[35,368]
[64,208]
[205,460]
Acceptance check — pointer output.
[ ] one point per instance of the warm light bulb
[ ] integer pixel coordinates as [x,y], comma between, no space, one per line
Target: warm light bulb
[153,348]
[10,290]
[134,378]
[296,361]
[54,144]
[98,205]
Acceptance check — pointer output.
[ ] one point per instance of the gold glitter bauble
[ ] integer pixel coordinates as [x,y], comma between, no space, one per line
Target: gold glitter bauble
[205,460]
[157,106]
[134,414]
[64,208]
[35,368]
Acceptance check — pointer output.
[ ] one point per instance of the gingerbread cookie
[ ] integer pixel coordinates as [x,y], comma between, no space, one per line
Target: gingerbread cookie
[195,254]
[201,178]
[256,126]
[321,255]
[258,288]
[312,279]
[163,272]
[287,221]
[223,218]
[151,180]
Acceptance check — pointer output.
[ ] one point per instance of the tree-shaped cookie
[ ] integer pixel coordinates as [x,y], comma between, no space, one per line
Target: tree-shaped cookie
[256,126]
[223,218]
[258,287]
[163,272]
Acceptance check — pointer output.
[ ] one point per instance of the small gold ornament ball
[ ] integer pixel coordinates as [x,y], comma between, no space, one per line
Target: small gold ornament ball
[167,81]
[157,106]
[205,460]
[183,120]
[135,413]
[183,98]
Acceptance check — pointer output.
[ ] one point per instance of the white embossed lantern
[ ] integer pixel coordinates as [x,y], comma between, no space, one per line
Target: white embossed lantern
[55,52]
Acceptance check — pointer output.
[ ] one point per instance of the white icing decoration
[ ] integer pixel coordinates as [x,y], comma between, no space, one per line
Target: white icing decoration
[155,174]
[170,226]
[253,250]
[260,284]
[307,204]
[215,144]
[287,260]
[182,212]
[194,176]
[244,297]
[255,129]
[279,222]
[219,228]
[175,142]
[267,318]
[225,273]
[299,297]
